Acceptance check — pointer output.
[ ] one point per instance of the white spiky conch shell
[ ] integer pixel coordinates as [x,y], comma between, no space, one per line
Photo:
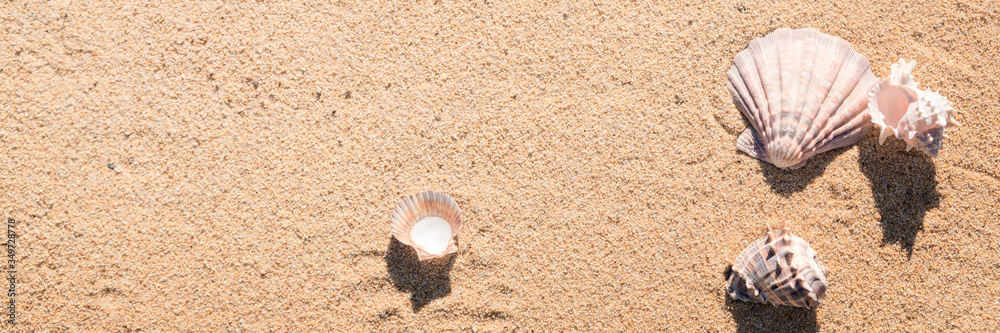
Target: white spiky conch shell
[918,117]
[804,93]
[778,269]
[428,222]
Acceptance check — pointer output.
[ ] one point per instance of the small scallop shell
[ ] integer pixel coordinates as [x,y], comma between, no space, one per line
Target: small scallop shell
[427,221]
[780,269]
[917,117]
[804,93]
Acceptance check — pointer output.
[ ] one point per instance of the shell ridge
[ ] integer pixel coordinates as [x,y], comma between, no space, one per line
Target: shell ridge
[749,143]
[806,78]
[820,86]
[760,59]
[807,65]
[847,133]
[824,109]
[738,88]
[746,77]
[858,100]
[853,74]
[758,97]
[807,99]
[769,64]
[812,73]
[744,70]
[844,139]
[850,75]
[789,49]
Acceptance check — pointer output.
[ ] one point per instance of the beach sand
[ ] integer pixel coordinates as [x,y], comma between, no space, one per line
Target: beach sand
[211,166]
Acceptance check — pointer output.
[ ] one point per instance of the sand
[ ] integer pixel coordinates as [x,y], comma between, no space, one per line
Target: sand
[210,166]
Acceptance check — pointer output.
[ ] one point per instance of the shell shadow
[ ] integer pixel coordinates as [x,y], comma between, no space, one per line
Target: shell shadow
[425,281]
[756,317]
[904,186]
[787,182]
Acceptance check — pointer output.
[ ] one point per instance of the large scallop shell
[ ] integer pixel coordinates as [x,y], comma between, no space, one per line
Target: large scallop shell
[780,269]
[804,93]
[427,221]
[917,117]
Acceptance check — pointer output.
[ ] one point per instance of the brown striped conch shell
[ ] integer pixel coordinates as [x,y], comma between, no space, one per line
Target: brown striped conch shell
[918,117]
[780,269]
[804,93]
[427,221]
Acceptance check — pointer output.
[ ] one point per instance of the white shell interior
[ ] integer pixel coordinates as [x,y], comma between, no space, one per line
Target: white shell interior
[432,234]
[918,117]
[894,102]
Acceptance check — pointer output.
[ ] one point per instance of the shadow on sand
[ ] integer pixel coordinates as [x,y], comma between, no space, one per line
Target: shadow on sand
[425,281]
[904,186]
[756,317]
[787,182]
